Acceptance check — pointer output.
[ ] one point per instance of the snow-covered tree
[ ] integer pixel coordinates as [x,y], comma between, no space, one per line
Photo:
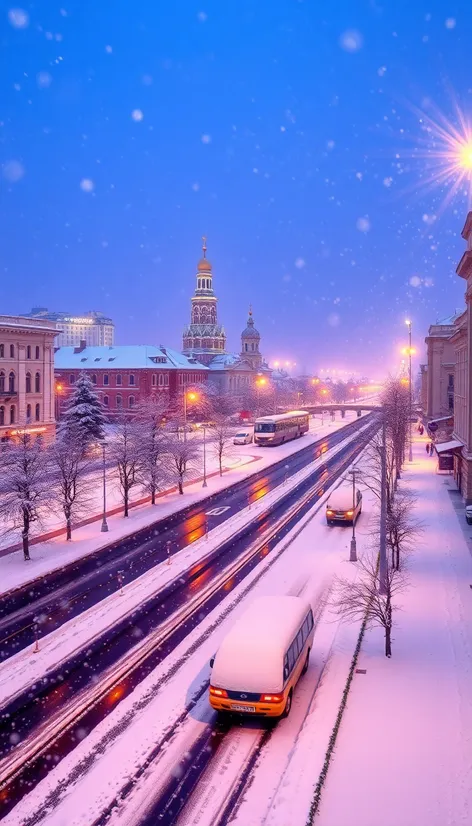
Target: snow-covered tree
[84,411]
[124,450]
[24,487]
[221,434]
[152,442]
[181,461]
[72,491]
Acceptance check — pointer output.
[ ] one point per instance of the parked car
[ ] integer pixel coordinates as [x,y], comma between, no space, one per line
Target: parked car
[243,437]
[468,514]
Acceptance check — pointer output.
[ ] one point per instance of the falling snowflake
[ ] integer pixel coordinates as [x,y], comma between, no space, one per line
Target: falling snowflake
[43,79]
[14,738]
[359,176]
[351,41]
[87,185]
[429,219]
[363,224]
[387,182]
[196,186]
[450,23]
[381,71]
[108,49]
[147,80]
[206,138]
[137,115]
[415,281]
[330,144]
[428,282]
[300,263]
[202,16]
[334,320]
[13,171]
[18,18]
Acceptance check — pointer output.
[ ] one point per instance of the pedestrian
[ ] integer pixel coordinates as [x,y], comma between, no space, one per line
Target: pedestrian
[421,429]
[431,449]
[427,448]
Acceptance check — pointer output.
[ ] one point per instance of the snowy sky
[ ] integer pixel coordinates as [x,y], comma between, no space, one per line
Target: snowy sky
[289,132]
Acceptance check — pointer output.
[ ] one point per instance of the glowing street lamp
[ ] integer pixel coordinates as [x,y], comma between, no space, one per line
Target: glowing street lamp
[189,396]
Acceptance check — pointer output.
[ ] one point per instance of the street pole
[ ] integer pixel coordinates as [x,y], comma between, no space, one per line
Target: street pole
[185,415]
[104,528]
[410,452]
[353,551]
[383,513]
[204,458]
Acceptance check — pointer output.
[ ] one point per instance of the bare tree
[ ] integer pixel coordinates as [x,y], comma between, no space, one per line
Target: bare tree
[24,487]
[221,434]
[152,443]
[181,461]
[125,454]
[359,600]
[402,527]
[72,492]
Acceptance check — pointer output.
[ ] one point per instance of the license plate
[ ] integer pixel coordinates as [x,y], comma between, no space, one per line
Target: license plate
[250,709]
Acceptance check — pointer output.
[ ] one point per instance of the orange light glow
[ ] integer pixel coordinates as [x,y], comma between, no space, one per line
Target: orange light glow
[59,388]
[261,382]
[192,397]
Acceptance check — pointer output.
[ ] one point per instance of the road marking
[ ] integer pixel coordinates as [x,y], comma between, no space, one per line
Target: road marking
[218,511]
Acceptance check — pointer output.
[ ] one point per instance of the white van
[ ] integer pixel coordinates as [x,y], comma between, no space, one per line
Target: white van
[243,437]
[261,659]
[340,506]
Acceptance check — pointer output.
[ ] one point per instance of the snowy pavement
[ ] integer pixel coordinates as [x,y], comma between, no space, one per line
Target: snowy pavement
[87,780]
[55,553]
[404,752]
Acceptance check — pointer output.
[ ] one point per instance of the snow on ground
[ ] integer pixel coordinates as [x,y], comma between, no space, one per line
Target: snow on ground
[306,564]
[27,667]
[404,751]
[55,553]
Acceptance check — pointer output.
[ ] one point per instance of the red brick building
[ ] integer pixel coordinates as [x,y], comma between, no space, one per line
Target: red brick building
[125,375]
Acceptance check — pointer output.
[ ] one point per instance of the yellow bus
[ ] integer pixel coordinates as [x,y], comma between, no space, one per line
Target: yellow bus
[261,659]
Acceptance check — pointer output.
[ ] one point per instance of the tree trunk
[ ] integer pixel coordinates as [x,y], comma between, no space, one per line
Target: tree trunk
[68,528]
[388,640]
[181,487]
[153,496]
[126,501]
[221,465]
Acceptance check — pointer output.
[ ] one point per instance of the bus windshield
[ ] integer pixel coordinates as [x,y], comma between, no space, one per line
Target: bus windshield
[265,427]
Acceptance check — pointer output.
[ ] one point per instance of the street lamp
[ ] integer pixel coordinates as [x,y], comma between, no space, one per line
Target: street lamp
[410,451]
[104,528]
[192,397]
[353,550]
[260,382]
[204,458]
[59,388]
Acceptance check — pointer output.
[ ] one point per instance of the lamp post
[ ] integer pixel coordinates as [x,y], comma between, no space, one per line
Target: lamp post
[353,550]
[191,396]
[383,570]
[410,450]
[204,458]
[104,528]
[58,392]
[260,382]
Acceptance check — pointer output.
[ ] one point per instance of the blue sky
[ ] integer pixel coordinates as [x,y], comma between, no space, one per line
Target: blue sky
[283,130]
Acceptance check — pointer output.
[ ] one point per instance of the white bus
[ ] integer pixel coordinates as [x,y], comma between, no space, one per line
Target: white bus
[261,659]
[273,430]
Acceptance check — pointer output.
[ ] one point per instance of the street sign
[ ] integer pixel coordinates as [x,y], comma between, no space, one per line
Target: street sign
[433,427]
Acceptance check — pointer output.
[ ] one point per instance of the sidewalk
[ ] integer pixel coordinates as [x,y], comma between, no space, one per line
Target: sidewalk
[404,751]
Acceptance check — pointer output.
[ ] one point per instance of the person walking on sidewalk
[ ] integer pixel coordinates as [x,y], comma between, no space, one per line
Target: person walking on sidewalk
[427,448]
[431,449]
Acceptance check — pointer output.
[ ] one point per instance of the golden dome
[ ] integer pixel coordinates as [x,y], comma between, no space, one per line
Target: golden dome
[204,265]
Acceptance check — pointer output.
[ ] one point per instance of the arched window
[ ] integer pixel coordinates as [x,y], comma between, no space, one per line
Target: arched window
[105,401]
[37,383]
[2,415]
[131,401]
[37,413]
[37,352]
[12,414]
[106,379]
[28,413]
[2,382]
[71,379]
[28,382]
[119,380]
[12,351]
[28,351]
[2,351]
[131,379]
[94,378]
[119,402]
[245,347]
[11,382]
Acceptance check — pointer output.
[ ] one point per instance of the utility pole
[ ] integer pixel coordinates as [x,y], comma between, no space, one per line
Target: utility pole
[383,571]
[353,550]
[104,528]
[410,451]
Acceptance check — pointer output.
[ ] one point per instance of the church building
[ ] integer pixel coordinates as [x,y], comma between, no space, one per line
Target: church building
[205,340]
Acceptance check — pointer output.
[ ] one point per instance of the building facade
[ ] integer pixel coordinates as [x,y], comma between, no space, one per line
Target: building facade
[236,374]
[125,375]
[440,368]
[26,378]
[94,328]
[204,338]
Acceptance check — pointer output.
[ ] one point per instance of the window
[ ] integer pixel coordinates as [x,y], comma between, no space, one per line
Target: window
[12,351]
[28,413]
[153,379]
[166,380]
[71,379]
[11,382]
[290,658]
[94,378]
[119,402]
[28,382]
[161,379]
[37,413]
[105,401]
[37,383]
[119,380]
[245,347]
[2,415]
[37,352]
[131,401]
[12,414]
[106,379]
[2,351]
[28,352]
[131,379]
[2,382]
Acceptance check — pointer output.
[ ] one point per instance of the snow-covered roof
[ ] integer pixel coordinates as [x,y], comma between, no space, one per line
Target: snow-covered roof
[127,356]
[251,656]
[224,360]
[445,447]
